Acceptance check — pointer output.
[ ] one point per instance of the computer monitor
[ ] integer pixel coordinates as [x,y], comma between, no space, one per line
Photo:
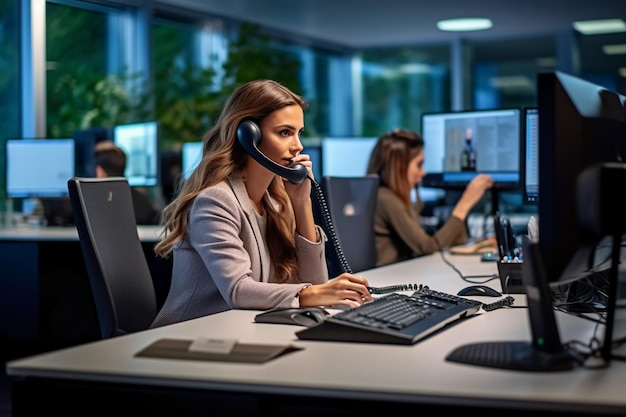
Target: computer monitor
[191,156]
[38,168]
[140,143]
[530,156]
[580,124]
[460,145]
[346,156]
[582,177]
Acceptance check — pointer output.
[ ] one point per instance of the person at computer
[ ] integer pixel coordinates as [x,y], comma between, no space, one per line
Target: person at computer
[110,161]
[398,159]
[241,236]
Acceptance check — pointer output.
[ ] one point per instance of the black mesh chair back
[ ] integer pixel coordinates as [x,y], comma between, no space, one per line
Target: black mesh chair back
[352,205]
[118,271]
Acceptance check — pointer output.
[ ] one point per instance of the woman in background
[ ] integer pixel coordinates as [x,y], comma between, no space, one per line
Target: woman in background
[398,159]
[242,236]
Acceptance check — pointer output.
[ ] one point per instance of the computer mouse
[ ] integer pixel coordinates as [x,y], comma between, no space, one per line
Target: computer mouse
[301,316]
[479,290]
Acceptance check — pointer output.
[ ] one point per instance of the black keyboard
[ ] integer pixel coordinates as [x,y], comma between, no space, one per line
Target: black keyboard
[394,318]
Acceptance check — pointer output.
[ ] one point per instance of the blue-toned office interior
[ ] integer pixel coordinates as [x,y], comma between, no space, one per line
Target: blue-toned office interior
[152,76]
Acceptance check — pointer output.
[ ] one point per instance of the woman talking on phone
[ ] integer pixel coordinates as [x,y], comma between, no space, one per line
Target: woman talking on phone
[241,235]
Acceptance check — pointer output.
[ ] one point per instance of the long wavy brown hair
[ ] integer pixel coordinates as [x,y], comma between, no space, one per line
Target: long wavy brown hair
[390,160]
[223,155]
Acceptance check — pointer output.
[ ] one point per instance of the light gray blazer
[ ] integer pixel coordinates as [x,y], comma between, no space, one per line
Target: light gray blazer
[222,262]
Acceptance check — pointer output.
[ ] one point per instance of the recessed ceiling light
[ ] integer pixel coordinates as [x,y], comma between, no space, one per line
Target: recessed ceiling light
[597,27]
[415,69]
[512,82]
[615,49]
[464,24]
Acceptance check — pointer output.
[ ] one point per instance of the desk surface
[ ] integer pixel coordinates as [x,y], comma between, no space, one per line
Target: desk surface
[413,374]
[147,233]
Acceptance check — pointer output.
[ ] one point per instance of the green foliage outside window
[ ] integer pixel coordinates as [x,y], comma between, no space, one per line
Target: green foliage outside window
[87,100]
[185,104]
[188,100]
[252,56]
[183,98]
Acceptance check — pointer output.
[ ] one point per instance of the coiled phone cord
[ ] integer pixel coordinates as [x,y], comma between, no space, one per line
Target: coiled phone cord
[330,228]
[332,235]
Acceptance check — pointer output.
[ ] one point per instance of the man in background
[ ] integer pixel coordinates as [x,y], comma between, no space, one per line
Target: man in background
[111,162]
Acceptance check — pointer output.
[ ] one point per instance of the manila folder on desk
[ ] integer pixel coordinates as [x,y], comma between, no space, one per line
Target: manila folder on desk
[241,352]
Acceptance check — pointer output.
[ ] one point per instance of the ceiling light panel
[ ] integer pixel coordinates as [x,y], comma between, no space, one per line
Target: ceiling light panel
[615,49]
[598,27]
[464,24]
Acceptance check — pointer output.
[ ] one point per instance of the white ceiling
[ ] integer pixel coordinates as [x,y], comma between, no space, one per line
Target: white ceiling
[370,23]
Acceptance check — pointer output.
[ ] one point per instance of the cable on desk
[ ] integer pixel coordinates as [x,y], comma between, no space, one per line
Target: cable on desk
[469,278]
[586,355]
[589,355]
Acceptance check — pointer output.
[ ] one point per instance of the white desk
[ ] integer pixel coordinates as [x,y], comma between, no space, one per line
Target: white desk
[61,233]
[332,378]
[45,298]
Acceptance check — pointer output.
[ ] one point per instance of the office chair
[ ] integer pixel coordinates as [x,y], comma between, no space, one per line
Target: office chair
[118,271]
[351,202]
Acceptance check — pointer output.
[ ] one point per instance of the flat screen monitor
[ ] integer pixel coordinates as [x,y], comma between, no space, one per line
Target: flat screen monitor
[346,156]
[460,145]
[38,168]
[140,143]
[191,156]
[530,156]
[580,124]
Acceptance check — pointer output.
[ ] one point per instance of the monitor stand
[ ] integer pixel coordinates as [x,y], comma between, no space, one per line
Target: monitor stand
[495,203]
[607,346]
[544,353]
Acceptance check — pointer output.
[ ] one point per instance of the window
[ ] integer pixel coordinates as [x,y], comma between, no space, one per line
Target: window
[399,84]
[504,72]
[73,68]
[99,81]
[10,100]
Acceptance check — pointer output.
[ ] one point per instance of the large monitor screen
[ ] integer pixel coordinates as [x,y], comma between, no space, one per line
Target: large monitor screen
[39,167]
[346,156]
[459,145]
[140,143]
[580,124]
[530,156]
[582,154]
[191,156]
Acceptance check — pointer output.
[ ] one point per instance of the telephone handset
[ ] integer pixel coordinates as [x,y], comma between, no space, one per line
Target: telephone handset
[249,136]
